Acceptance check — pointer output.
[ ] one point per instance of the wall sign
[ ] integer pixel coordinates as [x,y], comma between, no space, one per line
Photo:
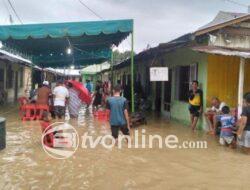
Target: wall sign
[158,74]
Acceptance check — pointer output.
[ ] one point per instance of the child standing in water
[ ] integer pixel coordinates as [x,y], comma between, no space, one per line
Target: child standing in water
[119,118]
[227,127]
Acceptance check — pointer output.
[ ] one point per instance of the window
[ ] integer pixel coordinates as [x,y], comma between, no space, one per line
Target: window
[167,92]
[9,81]
[184,75]
[1,79]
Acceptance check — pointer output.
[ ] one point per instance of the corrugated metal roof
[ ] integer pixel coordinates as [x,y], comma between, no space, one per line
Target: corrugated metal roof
[151,53]
[223,17]
[222,51]
[12,57]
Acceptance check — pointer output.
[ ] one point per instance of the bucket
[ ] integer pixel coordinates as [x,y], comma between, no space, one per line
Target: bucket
[2,133]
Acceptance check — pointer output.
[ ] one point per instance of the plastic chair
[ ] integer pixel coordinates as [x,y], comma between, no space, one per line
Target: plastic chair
[102,115]
[28,112]
[40,109]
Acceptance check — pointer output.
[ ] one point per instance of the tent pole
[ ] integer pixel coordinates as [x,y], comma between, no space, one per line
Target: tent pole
[112,71]
[132,71]
[241,85]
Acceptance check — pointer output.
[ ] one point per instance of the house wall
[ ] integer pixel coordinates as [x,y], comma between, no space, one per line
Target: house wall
[180,57]
[105,76]
[140,68]
[223,77]
[118,73]
[183,57]
[27,83]
[233,41]
[26,77]
[247,76]
[51,77]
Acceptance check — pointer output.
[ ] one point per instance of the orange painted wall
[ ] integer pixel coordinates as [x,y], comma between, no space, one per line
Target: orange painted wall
[222,81]
[223,76]
[247,77]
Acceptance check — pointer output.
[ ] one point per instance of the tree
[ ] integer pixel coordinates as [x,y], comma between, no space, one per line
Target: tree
[121,56]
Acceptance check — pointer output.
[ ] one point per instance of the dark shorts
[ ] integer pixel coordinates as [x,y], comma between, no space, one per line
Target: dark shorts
[97,100]
[59,111]
[115,130]
[194,110]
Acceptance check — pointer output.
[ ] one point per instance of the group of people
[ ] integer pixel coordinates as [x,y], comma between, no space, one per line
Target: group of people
[221,120]
[65,95]
[57,99]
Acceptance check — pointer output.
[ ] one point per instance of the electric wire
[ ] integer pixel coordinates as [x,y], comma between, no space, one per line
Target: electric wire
[14,10]
[91,10]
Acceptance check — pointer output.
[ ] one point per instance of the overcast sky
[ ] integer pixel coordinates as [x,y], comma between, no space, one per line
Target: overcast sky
[156,21]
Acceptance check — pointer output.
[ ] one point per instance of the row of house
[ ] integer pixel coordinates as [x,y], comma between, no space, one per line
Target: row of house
[217,55]
[15,76]
[18,76]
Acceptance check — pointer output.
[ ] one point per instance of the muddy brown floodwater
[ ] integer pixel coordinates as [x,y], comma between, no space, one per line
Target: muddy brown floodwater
[25,165]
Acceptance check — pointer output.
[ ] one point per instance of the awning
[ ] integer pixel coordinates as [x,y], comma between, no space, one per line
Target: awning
[46,44]
[222,51]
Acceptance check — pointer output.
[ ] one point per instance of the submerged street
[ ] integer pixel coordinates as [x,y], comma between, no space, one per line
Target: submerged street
[24,164]
[124,95]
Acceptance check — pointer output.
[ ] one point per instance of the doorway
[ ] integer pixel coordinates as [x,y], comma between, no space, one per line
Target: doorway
[16,86]
[158,97]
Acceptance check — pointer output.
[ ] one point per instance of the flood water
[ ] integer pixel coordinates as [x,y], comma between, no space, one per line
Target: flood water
[25,165]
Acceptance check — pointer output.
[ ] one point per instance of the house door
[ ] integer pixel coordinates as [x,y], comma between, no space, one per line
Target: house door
[16,85]
[158,97]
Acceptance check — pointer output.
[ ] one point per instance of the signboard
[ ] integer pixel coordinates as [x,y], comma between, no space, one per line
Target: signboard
[158,74]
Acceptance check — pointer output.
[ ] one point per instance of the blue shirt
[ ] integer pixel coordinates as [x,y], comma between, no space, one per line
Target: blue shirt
[89,87]
[227,124]
[117,106]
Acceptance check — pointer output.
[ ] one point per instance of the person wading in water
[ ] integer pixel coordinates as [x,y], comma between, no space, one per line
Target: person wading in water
[195,103]
[119,118]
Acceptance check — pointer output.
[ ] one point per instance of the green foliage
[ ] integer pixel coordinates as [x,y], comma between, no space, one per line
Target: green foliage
[121,56]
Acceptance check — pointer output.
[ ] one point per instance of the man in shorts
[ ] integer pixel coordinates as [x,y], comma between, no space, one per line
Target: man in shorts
[195,103]
[213,112]
[61,94]
[43,94]
[119,118]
